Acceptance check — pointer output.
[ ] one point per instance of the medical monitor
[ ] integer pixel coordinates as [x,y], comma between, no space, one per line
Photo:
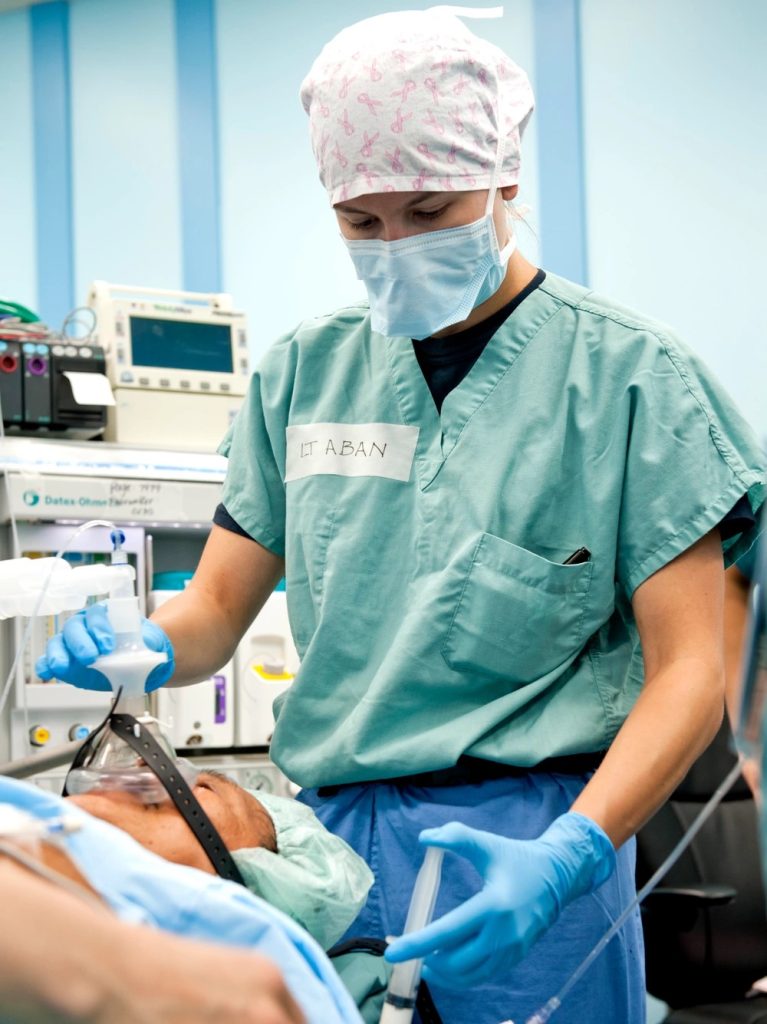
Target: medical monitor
[155,340]
[178,345]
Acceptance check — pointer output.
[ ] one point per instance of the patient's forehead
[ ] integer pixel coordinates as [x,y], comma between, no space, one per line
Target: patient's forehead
[248,822]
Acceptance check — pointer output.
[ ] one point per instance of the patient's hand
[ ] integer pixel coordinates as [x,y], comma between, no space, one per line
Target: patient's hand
[239,818]
[223,986]
[86,965]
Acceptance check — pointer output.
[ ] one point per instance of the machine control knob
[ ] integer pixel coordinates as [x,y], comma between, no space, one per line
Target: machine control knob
[79,732]
[39,735]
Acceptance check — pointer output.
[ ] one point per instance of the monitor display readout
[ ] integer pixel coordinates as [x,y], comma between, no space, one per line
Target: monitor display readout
[176,345]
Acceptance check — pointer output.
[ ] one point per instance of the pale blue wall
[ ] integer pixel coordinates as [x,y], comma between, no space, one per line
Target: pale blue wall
[124,143]
[675,94]
[18,252]
[673,98]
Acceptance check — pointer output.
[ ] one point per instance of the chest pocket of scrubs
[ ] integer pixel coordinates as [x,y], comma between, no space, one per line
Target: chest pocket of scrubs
[518,616]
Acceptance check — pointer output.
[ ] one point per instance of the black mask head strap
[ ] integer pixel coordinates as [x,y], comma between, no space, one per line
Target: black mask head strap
[149,750]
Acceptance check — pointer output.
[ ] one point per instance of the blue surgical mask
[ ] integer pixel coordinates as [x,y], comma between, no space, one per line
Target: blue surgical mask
[420,284]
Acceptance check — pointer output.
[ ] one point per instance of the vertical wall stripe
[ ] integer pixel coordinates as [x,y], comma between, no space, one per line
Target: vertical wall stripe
[53,160]
[198,144]
[560,138]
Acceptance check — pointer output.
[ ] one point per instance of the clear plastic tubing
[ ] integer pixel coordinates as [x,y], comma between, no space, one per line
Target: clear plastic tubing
[547,1011]
[41,598]
[403,986]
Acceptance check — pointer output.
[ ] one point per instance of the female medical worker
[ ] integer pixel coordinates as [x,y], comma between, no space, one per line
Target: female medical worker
[502,543]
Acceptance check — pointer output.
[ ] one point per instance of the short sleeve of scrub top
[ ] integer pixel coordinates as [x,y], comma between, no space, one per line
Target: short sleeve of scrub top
[685,468]
[434,612]
[254,494]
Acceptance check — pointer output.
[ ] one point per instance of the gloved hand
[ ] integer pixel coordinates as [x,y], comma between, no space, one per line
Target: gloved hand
[88,635]
[527,885]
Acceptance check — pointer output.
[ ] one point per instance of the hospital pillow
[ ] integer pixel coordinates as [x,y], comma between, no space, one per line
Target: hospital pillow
[315,877]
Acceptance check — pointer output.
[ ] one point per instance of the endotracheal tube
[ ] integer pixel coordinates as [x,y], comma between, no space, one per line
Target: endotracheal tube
[405,978]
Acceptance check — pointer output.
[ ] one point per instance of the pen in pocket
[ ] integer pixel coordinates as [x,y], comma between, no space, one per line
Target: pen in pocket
[581,555]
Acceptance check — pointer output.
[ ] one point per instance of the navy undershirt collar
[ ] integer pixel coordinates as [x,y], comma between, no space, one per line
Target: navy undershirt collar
[445,362]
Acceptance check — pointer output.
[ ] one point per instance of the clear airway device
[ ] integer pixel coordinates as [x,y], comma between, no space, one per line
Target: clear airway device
[131,754]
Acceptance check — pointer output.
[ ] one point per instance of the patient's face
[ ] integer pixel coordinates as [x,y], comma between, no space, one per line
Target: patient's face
[240,819]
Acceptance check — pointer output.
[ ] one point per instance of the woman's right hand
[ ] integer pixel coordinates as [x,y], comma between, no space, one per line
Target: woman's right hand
[88,635]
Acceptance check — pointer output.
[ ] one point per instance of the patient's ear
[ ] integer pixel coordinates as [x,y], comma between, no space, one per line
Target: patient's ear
[254,825]
[266,830]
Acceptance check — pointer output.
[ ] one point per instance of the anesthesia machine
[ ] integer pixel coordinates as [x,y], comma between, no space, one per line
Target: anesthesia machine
[163,502]
[177,361]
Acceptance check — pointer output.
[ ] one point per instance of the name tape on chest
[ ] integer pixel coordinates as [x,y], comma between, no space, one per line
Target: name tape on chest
[350,449]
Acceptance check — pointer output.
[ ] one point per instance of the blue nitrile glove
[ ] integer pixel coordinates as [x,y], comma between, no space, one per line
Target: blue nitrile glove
[527,885]
[145,889]
[86,636]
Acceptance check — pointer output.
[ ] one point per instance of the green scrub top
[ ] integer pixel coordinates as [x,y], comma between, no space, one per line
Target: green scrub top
[426,588]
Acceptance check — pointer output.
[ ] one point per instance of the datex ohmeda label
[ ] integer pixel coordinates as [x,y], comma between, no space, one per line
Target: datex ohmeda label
[350,449]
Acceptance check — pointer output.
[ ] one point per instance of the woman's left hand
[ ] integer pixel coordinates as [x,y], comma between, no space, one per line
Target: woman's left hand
[527,885]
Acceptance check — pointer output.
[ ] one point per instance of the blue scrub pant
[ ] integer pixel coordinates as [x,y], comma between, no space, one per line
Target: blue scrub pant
[382,821]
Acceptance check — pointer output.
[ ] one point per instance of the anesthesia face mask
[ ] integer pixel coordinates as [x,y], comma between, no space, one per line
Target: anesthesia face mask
[110,764]
[129,753]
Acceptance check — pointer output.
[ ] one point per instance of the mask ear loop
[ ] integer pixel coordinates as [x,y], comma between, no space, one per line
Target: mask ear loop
[500,152]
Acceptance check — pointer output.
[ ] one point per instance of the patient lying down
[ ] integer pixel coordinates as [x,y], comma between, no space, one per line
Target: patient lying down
[134,859]
[239,818]
[284,854]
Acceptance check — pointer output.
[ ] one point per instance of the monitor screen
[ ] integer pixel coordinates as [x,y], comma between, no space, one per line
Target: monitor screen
[179,345]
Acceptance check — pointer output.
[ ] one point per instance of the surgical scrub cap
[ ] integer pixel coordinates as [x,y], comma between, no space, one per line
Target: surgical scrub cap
[411,101]
[315,877]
